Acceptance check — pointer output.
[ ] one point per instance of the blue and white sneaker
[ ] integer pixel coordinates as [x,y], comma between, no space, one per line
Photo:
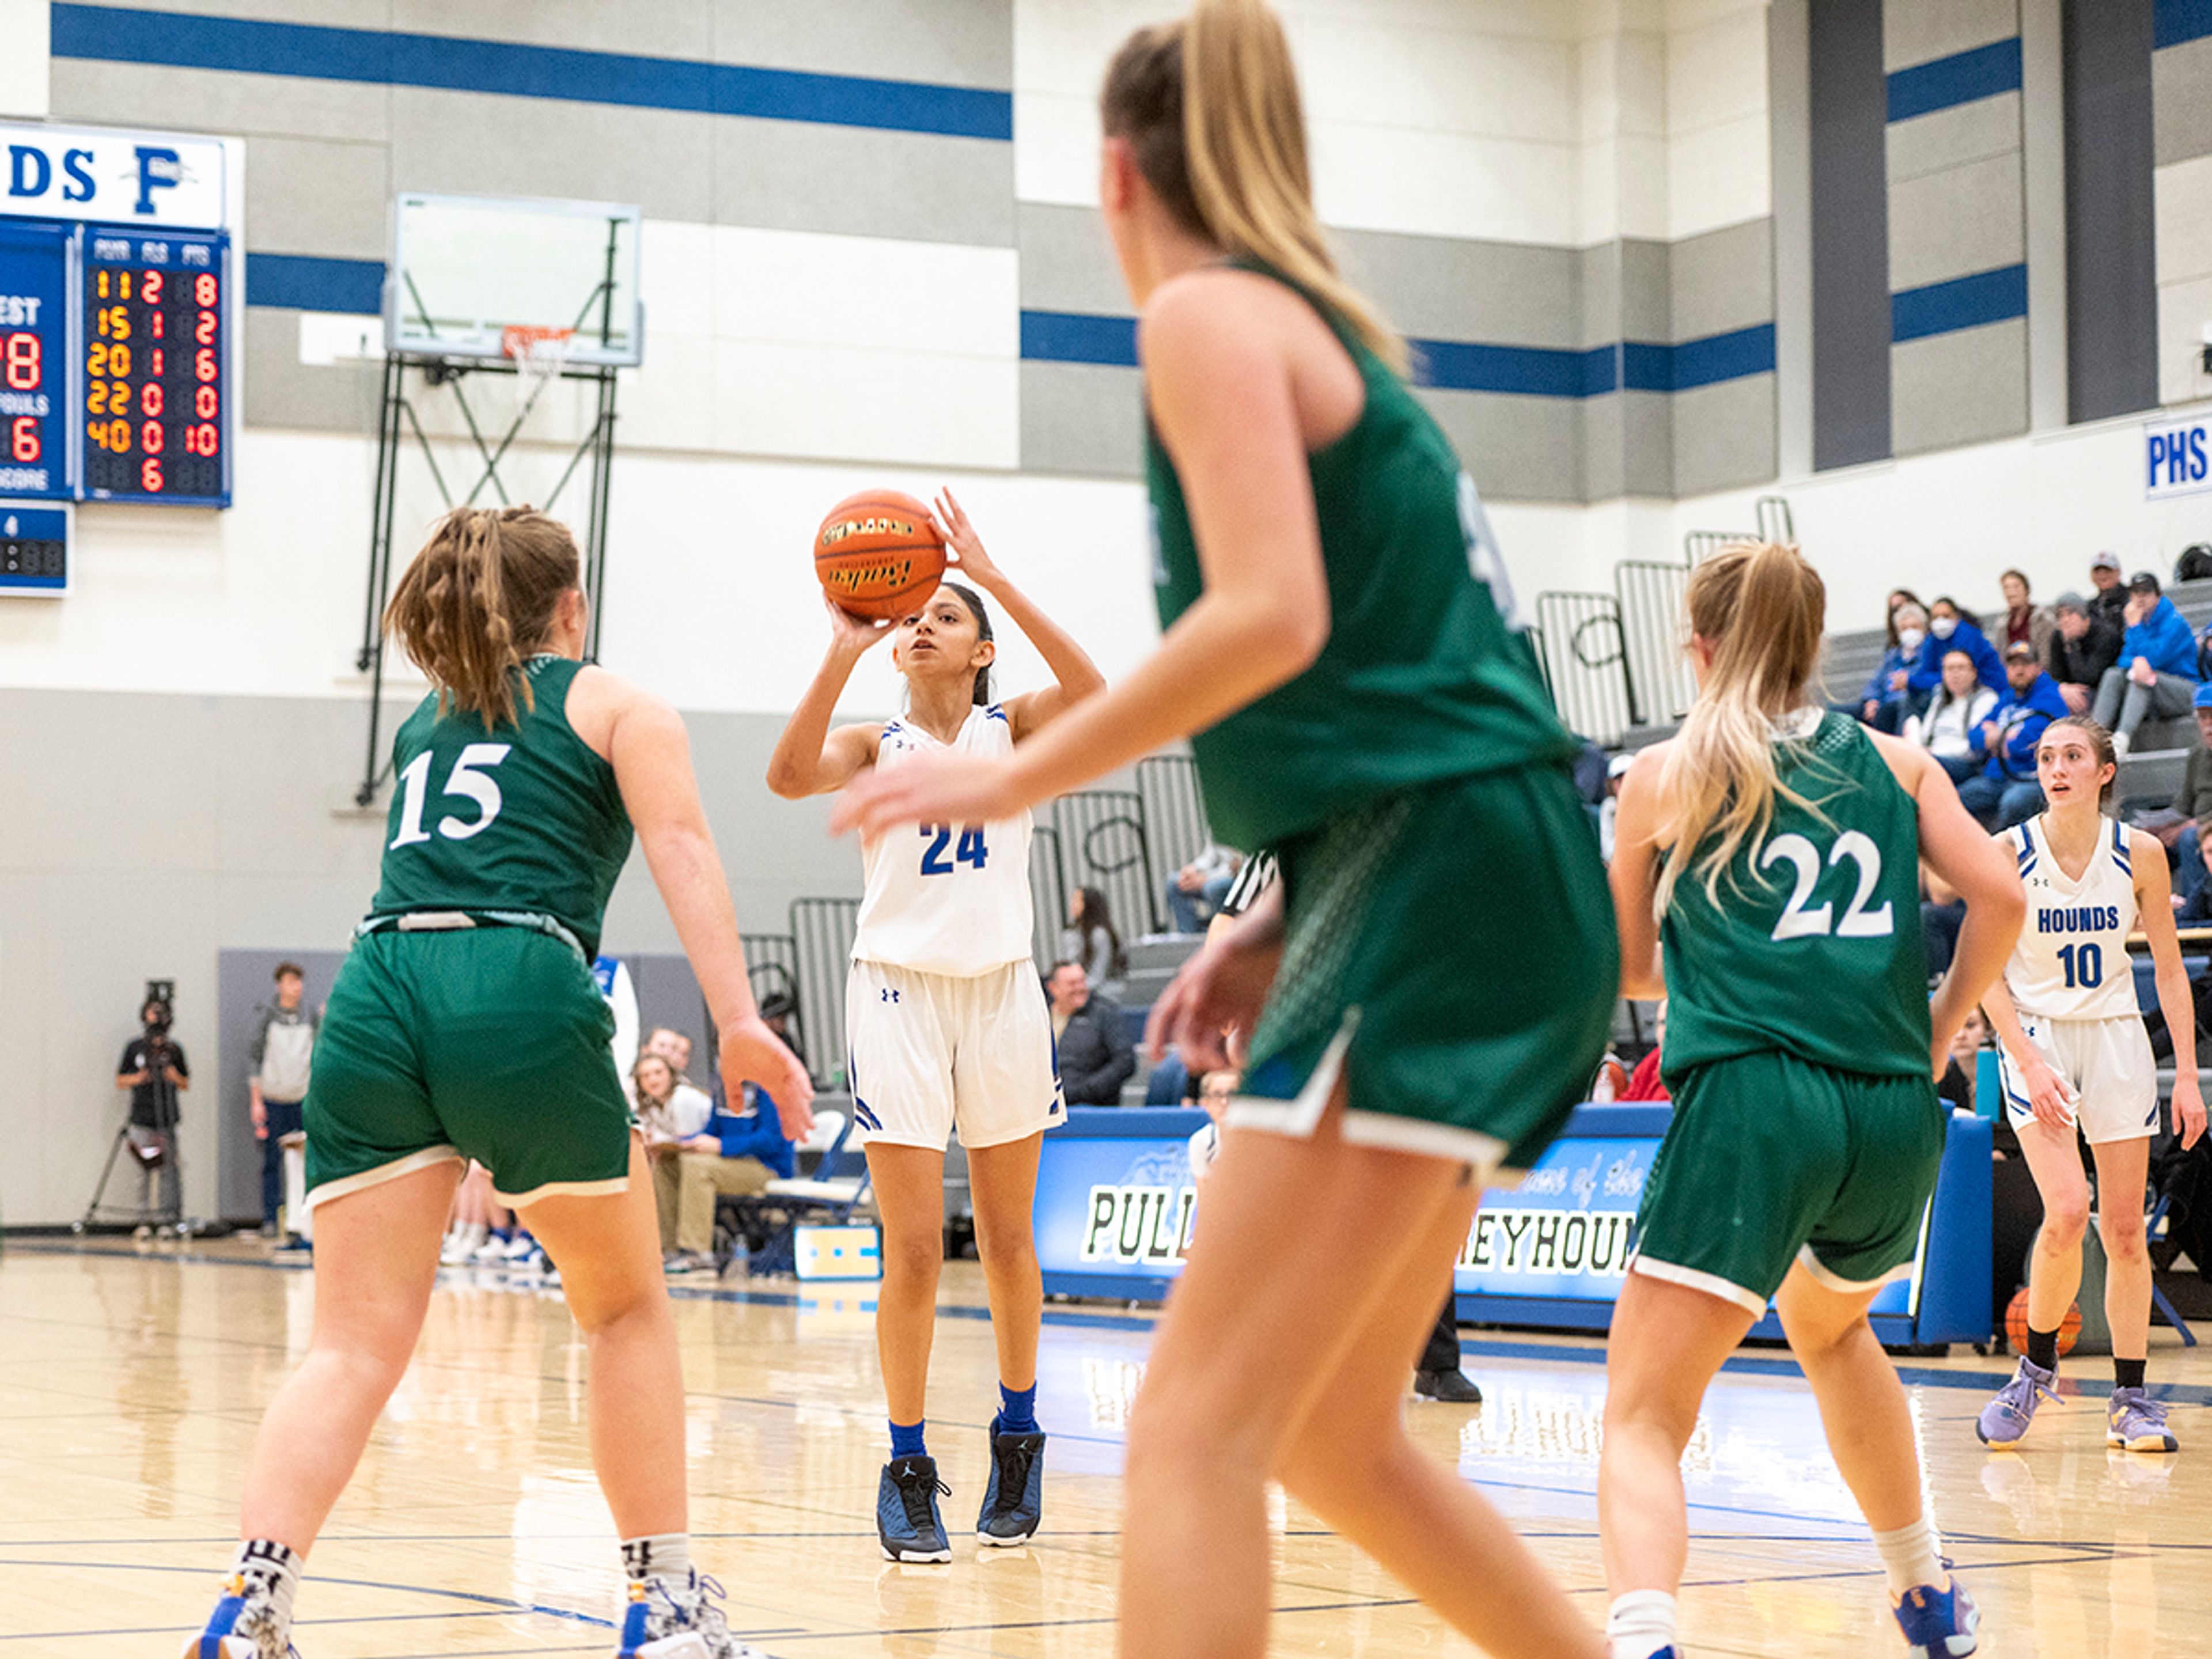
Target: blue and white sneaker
[2136,1422]
[1013,1503]
[2006,1417]
[1938,1624]
[242,1627]
[676,1619]
[906,1521]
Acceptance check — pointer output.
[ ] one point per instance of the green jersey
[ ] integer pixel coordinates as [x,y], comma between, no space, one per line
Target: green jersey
[523,818]
[1427,675]
[1814,948]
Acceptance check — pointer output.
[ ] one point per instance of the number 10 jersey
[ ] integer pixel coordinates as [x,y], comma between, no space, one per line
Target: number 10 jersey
[947,899]
[1813,947]
[2072,961]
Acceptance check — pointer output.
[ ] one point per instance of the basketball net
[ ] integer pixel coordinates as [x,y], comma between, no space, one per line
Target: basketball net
[538,354]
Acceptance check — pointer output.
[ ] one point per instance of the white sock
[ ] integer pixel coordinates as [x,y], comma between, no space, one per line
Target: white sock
[271,1572]
[657,1555]
[1641,1623]
[1912,1555]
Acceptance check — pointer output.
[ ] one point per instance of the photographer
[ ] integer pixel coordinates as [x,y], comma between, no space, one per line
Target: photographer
[154,1069]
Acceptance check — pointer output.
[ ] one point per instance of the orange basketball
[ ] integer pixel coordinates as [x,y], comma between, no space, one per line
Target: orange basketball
[878,554]
[2069,1329]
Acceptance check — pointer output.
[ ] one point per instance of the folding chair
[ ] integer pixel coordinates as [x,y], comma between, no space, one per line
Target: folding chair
[826,1196]
[2154,1230]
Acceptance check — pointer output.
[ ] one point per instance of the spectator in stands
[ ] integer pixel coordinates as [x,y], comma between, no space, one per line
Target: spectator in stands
[1091,938]
[2157,670]
[1888,697]
[1644,1083]
[1092,1037]
[1950,729]
[672,1046]
[1951,629]
[283,1051]
[2025,623]
[1199,886]
[672,1117]
[1959,1071]
[776,1009]
[2084,643]
[1942,912]
[2007,792]
[2111,597]
[2194,802]
[1616,770]
[739,1153]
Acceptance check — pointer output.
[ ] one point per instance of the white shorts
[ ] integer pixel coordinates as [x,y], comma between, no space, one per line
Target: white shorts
[928,1053]
[2107,1063]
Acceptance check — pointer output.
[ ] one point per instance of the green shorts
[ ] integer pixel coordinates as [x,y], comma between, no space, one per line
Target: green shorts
[1771,1160]
[1451,955]
[486,1042]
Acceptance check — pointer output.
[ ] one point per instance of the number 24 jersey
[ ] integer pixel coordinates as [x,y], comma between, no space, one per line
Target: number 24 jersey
[948,899]
[2072,961]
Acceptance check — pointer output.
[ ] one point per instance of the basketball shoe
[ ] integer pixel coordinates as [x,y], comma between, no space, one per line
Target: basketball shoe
[1938,1624]
[244,1625]
[2136,1421]
[1014,1501]
[906,1521]
[676,1619]
[2006,1417]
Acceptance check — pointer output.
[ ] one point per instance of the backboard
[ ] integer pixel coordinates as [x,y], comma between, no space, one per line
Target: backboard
[465,269]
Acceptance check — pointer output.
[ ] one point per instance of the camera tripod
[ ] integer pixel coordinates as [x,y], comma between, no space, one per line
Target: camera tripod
[168,1213]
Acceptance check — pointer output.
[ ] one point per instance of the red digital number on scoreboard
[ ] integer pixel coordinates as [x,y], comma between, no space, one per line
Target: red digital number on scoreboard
[155,390]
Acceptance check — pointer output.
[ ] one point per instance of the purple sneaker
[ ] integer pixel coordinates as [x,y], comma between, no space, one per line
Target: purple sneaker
[2006,1417]
[1939,1624]
[2138,1422]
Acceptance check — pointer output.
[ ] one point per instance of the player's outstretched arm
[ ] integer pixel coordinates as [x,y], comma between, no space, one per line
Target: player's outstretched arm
[809,759]
[652,757]
[2154,906]
[1634,876]
[1075,677]
[1980,869]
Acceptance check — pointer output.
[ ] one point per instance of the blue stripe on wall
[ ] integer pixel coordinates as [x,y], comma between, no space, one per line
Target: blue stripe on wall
[1987,296]
[1063,337]
[2176,22]
[121,34]
[310,284]
[1959,79]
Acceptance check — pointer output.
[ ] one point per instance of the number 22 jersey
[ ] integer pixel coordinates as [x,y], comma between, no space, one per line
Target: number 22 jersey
[947,899]
[2072,961]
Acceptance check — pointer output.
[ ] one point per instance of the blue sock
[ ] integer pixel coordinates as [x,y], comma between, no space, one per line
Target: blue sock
[1017,1410]
[906,1441]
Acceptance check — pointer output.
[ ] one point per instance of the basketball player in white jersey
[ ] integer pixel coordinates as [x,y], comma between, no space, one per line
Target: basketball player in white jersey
[946,1022]
[2076,1061]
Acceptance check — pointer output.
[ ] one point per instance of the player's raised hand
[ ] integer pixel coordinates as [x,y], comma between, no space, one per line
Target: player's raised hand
[958,789]
[750,1053]
[852,633]
[2188,1112]
[960,535]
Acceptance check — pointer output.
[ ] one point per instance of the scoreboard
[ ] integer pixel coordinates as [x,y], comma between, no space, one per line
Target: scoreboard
[34,364]
[155,395]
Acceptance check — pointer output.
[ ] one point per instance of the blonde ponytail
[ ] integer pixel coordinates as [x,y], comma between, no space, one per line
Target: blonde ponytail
[1760,609]
[476,599]
[1210,106]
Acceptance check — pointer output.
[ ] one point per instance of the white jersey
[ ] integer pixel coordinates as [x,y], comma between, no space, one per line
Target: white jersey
[2072,961]
[947,899]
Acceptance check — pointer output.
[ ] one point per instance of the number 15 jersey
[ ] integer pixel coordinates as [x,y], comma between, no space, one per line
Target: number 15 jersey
[947,899]
[2072,961]
[1814,947]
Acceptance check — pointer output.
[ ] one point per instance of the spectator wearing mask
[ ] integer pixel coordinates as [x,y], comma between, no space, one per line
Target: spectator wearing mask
[281,1052]
[2084,643]
[1949,729]
[2006,792]
[1888,698]
[2157,670]
[2025,622]
[1091,1038]
[2109,594]
[2194,802]
[738,1154]
[1951,629]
